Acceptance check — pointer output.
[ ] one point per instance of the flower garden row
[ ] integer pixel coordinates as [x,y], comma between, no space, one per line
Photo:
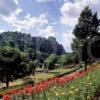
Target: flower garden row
[50,88]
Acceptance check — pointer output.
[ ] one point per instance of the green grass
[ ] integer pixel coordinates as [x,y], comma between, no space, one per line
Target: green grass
[44,76]
[82,88]
[38,77]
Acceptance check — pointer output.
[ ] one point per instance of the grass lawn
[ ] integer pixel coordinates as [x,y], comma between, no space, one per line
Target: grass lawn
[82,88]
[38,77]
[43,76]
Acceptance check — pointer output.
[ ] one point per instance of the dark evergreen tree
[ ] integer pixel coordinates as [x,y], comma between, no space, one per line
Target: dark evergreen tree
[12,65]
[85,30]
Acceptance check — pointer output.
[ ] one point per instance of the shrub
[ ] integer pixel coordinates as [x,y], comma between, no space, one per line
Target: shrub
[49,63]
[28,81]
[64,60]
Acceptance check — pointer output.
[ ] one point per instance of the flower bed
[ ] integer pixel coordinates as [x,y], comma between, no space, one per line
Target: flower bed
[39,89]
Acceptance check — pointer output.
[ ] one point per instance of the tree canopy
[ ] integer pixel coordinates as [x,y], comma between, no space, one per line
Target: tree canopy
[12,64]
[25,42]
[49,63]
[86,29]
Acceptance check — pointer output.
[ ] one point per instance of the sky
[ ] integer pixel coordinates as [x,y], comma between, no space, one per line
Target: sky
[44,18]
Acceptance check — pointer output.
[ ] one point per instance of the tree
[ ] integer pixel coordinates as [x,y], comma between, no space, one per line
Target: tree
[26,42]
[74,58]
[31,54]
[41,56]
[64,60]
[85,30]
[75,47]
[12,65]
[31,67]
[50,61]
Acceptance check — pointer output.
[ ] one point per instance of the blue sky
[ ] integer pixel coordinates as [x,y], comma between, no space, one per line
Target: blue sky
[44,17]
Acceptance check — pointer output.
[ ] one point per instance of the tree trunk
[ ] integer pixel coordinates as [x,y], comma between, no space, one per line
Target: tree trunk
[85,65]
[33,72]
[7,83]
[90,61]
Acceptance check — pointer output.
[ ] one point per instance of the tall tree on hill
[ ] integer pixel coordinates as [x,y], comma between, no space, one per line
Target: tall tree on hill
[85,30]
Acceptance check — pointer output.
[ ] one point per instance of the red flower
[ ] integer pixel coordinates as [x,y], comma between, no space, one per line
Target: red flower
[12,91]
[6,97]
[20,91]
[38,87]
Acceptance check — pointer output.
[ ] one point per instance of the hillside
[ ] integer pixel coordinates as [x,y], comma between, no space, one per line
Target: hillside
[24,42]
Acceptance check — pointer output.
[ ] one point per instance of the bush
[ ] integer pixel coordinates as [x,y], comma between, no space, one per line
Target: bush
[31,67]
[64,60]
[49,63]
[28,81]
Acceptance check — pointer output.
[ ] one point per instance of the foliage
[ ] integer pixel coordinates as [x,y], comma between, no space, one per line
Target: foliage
[41,56]
[82,88]
[64,60]
[75,58]
[87,26]
[31,67]
[12,64]
[84,31]
[31,55]
[28,81]
[25,42]
[49,63]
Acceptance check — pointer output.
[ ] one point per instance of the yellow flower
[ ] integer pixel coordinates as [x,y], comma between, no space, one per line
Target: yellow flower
[86,85]
[88,78]
[84,82]
[71,92]
[63,93]
[88,97]
[72,87]
[76,89]
[54,87]
[89,83]
[56,93]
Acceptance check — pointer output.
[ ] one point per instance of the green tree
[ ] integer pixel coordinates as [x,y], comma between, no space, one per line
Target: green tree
[12,65]
[31,67]
[50,61]
[85,30]
[76,45]
[74,58]
[31,54]
[24,42]
[64,60]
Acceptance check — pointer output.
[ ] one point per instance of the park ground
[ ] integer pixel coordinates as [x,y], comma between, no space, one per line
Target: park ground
[88,85]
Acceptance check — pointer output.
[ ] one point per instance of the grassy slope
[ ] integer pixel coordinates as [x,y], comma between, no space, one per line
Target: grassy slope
[37,78]
[43,76]
[82,88]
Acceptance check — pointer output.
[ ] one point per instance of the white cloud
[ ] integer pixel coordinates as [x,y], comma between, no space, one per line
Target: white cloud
[17,12]
[27,22]
[8,6]
[70,11]
[67,40]
[41,1]
[16,1]
[10,12]
[2,30]
[47,32]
